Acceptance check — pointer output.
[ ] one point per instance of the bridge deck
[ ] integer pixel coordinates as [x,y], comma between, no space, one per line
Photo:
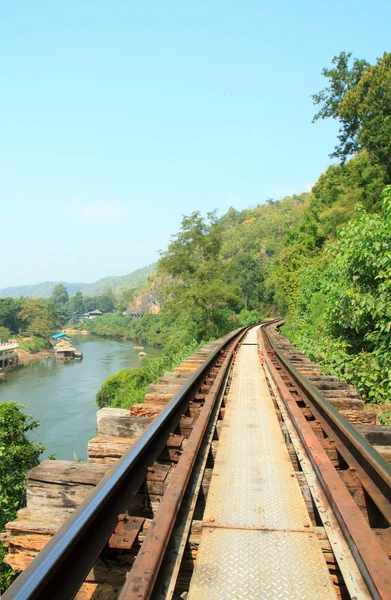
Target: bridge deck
[257,539]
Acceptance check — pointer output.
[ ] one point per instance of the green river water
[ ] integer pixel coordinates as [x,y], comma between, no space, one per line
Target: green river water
[61,394]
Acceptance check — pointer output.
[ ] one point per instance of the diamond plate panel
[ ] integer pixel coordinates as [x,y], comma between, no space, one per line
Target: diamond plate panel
[253,484]
[257,540]
[255,565]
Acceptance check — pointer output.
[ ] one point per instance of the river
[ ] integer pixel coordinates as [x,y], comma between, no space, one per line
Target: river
[61,394]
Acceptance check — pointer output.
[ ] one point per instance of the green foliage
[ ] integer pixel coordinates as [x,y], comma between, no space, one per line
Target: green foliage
[17,456]
[5,334]
[105,303]
[247,274]
[359,96]
[385,418]
[9,314]
[361,180]
[40,317]
[129,386]
[126,299]
[60,296]
[33,345]
[200,287]
[342,315]
[249,317]
[76,305]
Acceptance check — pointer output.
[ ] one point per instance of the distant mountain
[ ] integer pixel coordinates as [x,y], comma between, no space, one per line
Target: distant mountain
[134,279]
[117,284]
[39,290]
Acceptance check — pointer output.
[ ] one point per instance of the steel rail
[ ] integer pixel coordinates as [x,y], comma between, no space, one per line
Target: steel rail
[372,462]
[371,559]
[61,567]
[142,576]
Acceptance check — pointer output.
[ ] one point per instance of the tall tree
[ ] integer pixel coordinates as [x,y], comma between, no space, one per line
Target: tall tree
[40,317]
[76,304]
[248,274]
[199,286]
[104,303]
[60,295]
[9,314]
[359,97]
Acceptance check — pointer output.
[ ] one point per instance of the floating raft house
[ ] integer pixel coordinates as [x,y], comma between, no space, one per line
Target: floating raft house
[64,351]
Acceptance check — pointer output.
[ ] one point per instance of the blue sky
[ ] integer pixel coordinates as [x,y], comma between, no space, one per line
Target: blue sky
[118,117]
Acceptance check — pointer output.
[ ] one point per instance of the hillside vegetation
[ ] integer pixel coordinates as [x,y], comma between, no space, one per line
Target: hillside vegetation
[320,259]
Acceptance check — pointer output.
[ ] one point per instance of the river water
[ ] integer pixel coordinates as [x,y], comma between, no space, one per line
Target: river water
[60,394]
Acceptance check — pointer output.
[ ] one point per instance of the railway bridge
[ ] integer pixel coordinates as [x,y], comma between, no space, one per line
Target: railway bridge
[246,474]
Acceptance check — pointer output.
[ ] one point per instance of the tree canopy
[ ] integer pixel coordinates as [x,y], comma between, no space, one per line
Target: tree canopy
[17,456]
[199,285]
[40,317]
[60,295]
[359,97]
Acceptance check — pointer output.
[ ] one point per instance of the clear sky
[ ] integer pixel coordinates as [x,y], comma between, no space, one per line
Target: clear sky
[117,117]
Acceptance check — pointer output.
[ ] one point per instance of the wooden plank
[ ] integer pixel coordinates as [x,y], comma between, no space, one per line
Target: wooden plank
[63,471]
[376,434]
[118,422]
[104,449]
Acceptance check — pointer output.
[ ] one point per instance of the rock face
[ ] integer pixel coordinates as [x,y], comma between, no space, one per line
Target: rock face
[149,299]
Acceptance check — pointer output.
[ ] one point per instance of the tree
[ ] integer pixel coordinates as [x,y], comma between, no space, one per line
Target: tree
[126,299]
[104,303]
[359,97]
[40,317]
[361,180]
[357,281]
[248,274]
[199,279]
[5,334]
[60,295]
[17,456]
[341,78]
[76,304]
[9,314]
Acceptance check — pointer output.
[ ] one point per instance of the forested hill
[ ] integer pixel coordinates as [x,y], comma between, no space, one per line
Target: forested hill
[45,289]
[320,259]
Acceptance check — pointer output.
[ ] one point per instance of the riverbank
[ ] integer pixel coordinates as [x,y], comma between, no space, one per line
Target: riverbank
[60,394]
[150,329]
[75,331]
[27,357]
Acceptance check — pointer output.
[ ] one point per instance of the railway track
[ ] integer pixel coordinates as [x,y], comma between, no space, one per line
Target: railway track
[158,549]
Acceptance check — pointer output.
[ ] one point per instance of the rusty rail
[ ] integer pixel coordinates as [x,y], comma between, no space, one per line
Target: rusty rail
[139,584]
[61,567]
[375,472]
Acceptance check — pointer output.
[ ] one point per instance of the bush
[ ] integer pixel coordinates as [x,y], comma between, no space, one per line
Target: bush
[129,386]
[33,345]
[5,334]
[342,317]
[17,456]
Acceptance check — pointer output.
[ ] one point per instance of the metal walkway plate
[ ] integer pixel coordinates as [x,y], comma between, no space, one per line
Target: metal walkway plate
[257,540]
